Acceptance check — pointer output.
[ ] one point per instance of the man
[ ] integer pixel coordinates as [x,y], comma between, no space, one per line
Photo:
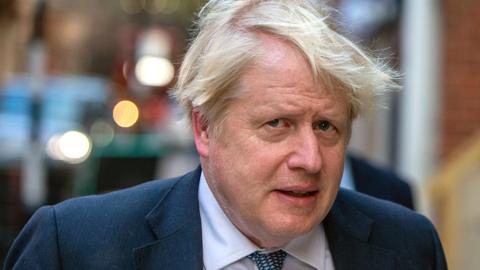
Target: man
[271,92]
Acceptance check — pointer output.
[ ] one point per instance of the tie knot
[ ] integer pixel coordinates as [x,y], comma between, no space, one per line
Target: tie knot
[268,261]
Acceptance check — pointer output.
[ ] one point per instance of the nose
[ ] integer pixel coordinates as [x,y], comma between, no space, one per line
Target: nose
[306,153]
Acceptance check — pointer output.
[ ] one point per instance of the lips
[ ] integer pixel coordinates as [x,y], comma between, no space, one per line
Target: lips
[297,197]
[298,194]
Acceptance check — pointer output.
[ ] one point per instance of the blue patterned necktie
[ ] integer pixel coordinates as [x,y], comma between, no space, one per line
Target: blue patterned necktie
[268,261]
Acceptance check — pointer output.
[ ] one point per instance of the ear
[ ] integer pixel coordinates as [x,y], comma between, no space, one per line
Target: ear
[200,134]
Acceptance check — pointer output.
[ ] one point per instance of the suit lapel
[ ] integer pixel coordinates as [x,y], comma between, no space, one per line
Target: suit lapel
[175,222]
[348,232]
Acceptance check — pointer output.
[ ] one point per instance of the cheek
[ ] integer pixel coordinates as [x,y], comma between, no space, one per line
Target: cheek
[252,156]
[334,157]
[244,171]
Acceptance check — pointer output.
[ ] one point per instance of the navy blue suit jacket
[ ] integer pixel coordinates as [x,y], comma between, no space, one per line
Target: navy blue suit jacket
[380,182]
[156,225]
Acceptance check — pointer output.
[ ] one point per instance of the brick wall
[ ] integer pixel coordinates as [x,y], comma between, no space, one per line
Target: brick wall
[460,115]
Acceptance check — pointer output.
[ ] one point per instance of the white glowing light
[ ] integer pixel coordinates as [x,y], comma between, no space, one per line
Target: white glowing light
[52,149]
[71,146]
[154,42]
[74,146]
[154,71]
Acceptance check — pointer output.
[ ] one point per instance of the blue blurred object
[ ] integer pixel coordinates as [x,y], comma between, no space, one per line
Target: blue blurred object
[61,104]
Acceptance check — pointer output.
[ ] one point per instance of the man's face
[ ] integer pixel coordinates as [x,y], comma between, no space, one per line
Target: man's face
[276,167]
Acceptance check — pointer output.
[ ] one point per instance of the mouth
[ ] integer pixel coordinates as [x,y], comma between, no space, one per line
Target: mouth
[298,194]
[298,198]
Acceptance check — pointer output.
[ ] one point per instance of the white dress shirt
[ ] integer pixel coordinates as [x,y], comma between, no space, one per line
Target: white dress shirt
[226,248]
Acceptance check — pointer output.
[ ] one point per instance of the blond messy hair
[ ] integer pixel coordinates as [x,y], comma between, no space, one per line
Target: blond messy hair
[225,44]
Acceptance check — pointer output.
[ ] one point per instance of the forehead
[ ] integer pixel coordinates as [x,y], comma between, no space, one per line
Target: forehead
[280,56]
[280,80]
[280,66]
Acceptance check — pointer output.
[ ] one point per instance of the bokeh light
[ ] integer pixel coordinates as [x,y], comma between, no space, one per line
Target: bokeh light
[53,151]
[102,133]
[125,113]
[154,71]
[72,147]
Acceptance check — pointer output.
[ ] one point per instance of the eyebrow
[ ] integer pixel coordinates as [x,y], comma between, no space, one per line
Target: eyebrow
[328,111]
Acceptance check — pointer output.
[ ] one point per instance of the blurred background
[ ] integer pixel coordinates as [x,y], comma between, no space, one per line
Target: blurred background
[84,107]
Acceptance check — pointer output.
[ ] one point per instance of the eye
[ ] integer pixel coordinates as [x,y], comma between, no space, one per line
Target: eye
[278,123]
[323,125]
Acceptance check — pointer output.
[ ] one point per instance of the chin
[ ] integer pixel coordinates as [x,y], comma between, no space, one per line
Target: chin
[288,229]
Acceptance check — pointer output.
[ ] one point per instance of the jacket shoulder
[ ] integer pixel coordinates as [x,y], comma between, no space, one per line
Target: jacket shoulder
[124,201]
[390,227]
[98,231]
[386,214]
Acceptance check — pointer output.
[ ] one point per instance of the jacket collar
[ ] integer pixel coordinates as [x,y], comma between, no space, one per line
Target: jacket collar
[175,222]
[348,232]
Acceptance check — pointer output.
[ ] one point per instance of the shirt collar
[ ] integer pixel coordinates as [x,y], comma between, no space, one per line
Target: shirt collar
[310,248]
[224,244]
